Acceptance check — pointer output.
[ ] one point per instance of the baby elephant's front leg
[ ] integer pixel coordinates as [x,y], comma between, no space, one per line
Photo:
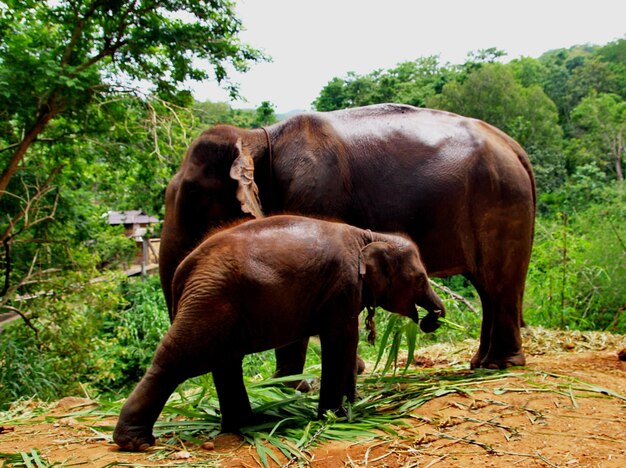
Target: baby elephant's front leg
[232,395]
[339,350]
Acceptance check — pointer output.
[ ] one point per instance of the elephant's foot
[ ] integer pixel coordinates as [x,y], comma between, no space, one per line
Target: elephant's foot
[303,386]
[234,426]
[498,362]
[340,412]
[133,438]
[360,365]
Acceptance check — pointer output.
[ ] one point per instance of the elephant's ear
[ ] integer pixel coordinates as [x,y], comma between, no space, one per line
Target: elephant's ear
[242,171]
[375,267]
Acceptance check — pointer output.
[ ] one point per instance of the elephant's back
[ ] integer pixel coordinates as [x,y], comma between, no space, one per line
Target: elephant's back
[268,243]
[389,124]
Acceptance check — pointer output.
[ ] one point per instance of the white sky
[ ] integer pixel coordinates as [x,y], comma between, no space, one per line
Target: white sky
[313,41]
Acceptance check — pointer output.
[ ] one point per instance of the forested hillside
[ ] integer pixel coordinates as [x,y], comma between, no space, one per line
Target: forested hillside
[82,134]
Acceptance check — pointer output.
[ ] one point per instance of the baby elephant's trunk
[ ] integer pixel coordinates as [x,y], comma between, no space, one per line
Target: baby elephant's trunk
[433,304]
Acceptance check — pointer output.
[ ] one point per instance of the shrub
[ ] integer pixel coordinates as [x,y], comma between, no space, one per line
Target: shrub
[129,337]
[577,276]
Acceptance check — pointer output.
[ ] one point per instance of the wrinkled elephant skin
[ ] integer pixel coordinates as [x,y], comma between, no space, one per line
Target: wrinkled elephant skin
[460,188]
[267,283]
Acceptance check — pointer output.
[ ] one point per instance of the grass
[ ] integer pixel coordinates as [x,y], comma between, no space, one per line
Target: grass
[30,459]
[381,415]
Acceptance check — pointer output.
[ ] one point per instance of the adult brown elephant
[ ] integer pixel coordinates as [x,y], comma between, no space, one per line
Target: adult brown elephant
[463,190]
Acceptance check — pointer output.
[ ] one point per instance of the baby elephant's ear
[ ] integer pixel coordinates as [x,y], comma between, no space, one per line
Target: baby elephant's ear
[375,267]
[242,170]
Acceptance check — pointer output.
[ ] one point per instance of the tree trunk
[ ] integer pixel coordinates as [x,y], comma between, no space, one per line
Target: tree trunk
[22,148]
[618,155]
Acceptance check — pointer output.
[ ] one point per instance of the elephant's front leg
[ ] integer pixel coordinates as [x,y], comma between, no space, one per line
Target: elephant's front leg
[290,360]
[339,354]
[232,395]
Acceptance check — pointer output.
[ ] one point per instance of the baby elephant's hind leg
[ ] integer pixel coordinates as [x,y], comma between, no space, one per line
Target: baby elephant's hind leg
[134,427]
[173,363]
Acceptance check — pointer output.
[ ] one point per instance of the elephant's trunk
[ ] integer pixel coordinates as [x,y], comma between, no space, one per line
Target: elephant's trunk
[433,304]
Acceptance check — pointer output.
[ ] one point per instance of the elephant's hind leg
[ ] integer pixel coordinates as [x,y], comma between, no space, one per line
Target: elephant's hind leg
[500,338]
[500,283]
[290,360]
[173,363]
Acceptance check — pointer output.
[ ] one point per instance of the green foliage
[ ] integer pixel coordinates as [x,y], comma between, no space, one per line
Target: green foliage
[98,338]
[53,356]
[492,94]
[112,248]
[400,333]
[599,122]
[63,52]
[125,345]
[409,83]
[586,187]
[577,276]
[549,167]
[573,73]
[265,114]
[24,371]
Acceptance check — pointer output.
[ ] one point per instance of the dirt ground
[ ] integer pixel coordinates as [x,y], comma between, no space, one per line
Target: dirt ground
[567,408]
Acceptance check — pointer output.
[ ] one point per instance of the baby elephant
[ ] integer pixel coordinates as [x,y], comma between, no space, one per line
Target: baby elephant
[264,284]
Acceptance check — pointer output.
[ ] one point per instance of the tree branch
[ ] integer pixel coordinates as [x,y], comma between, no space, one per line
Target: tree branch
[43,190]
[455,296]
[7,266]
[23,146]
[25,318]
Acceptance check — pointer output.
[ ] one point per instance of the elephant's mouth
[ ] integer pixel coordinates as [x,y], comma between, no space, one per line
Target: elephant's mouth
[413,314]
[430,322]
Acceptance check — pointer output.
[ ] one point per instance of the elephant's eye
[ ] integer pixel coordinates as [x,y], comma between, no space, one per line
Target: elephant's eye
[421,278]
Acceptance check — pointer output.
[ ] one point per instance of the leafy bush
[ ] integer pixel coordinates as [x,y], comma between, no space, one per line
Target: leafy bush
[55,358]
[588,186]
[112,248]
[23,369]
[93,338]
[577,276]
[129,337]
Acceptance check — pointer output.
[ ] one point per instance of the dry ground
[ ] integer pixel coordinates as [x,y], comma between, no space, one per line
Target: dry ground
[566,408]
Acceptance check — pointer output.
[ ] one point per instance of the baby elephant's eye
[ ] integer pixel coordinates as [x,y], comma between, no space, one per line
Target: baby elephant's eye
[421,278]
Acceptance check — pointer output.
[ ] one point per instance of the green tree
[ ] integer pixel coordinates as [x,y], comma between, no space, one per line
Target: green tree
[265,114]
[57,57]
[492,94]
[600,128]
[411,82]
[88,136]
[476,59]
[332,96]
[528,71]
[571,74]
[614,54]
